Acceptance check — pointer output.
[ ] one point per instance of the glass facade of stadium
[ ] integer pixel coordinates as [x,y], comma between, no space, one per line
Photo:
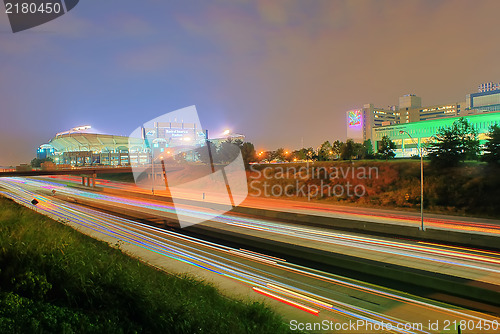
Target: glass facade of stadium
[87,149]
[423,131]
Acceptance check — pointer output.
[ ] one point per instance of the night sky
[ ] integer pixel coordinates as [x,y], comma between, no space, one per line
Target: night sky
[276,71]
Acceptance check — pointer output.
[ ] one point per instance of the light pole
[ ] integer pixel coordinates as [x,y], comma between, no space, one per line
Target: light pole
[421,179]
[152,171]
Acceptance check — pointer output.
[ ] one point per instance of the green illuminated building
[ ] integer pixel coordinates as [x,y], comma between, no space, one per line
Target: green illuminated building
[423,131]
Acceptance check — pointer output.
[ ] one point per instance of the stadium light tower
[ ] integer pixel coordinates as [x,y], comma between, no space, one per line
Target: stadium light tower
[81,128]
[153,176]
[420,150]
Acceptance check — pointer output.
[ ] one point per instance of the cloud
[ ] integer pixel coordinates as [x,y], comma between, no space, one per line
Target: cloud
[300,67]
[276,70]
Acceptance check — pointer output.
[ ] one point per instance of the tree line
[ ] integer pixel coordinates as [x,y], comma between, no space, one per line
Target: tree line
[449,147]
[460,142]
[336,150]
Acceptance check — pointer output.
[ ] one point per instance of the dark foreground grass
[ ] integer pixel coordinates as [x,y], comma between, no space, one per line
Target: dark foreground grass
[56,280]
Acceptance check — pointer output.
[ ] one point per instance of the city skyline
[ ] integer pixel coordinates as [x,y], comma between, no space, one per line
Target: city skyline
[277,72]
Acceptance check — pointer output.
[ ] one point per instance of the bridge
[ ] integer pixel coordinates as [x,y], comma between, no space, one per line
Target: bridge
[88,174]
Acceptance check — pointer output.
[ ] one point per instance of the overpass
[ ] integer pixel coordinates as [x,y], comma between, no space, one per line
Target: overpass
[88,174]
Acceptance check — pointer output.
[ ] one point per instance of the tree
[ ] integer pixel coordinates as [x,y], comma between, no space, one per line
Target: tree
[278,155]
[264,156]
[347,150]
[386,148]
[248,153]
[311,154]
[368,149]
[337,148]
[469,138]
[300,154]
[203,154]
[227,152]
[492,146]
[454,144]
[38,162]
[325,151]
[359,151]
[288,156]
[445,151]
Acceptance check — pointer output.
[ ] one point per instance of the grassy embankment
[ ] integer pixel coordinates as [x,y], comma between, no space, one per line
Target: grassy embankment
[117,177]
[56,280]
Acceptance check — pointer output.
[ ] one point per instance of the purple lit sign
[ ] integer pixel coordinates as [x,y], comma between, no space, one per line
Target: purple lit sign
[354,118]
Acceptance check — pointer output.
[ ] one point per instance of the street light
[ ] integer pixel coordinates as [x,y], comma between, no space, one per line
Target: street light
[152,171]
[421,179]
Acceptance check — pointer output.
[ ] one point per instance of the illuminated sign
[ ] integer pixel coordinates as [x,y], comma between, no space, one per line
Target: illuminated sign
[176,133]
[354,118]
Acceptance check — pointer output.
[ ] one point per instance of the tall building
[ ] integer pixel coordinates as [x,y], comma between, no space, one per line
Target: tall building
[360,122]
[408,106]
[364,123]
[356,129]
[481,102]
[409,101]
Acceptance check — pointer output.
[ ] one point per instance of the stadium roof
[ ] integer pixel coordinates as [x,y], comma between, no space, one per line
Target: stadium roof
[93,142]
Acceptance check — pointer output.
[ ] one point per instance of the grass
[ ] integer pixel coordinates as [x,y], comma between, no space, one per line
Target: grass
[117,177]
[56,280]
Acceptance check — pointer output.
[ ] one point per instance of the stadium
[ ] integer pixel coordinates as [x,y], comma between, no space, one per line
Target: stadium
[80,147]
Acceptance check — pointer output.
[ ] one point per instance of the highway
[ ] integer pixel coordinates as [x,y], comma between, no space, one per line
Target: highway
[318,295]
[410,218]
[472,264]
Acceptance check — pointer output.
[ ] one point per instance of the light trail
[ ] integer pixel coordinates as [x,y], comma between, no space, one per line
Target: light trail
[286,301]
[354,213]
[463,259]
[254,270]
